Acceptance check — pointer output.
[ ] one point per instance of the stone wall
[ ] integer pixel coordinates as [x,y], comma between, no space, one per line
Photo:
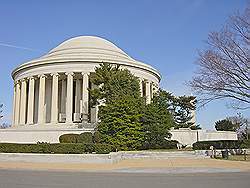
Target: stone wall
[187,136]
[34,136]
[52,134]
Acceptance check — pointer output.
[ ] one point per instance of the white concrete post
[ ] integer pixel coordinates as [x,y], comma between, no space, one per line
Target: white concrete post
[41,102]
[14,105]
[30,118]
[54,105]
[69,102]
[23,102]
[148,97]
[17,105]
[85,96]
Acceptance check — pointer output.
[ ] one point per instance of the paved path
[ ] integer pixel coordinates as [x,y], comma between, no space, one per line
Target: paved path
[135,164]
[53,179]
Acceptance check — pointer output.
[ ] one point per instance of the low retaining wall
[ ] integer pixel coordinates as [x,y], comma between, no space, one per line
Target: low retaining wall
[187,136]
[52,134]
[95,158]
[12,135]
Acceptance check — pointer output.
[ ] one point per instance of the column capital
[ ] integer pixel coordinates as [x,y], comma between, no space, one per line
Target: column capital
[17,82]
[42,76]
[69,73]
[54,74]
[23,80]
[31,78]
[85,73]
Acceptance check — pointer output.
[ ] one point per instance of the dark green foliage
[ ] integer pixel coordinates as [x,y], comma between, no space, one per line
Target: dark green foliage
[69,138]
[97,137]
[166,144]
[112,83]
[221,144]
[225,125]
[85,137]
[120,123]
[180,108]
[120,116]
[195,127]
[55,148]
[245,144]
[157,121]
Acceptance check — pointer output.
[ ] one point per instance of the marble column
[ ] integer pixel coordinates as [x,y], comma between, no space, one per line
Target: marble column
[148,93]
[41,102]
[77,96]
[23,102]
[85,96]
[30,115]
[54,105]
[63,97]
[69,102]
[14,106]
[17,103]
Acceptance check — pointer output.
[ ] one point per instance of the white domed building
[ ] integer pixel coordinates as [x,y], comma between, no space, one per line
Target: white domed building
[51,93]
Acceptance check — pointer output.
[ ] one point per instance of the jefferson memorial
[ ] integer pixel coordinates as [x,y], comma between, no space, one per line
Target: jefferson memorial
[51,92]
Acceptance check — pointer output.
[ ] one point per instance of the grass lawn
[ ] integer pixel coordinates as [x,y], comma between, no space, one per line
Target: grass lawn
[237,158]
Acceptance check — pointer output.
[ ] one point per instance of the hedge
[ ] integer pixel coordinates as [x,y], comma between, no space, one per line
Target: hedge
[77,148]
[166,144]
[222,144]
[69,138]
[85,137]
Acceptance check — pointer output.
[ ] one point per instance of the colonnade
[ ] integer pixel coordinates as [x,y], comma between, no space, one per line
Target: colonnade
[58,98]
[27,104]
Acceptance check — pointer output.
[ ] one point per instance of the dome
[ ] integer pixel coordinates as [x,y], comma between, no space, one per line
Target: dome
[86,42]
[85,50]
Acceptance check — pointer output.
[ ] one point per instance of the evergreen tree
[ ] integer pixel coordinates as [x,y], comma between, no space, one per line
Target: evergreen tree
[157,120]
[180,107]
[120,115]
[226,125]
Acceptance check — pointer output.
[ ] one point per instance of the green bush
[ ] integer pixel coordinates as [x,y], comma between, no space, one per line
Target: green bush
[62,148]
[97,137]
[69,138]
[86,137]
[245,144]
[166,144]
[221,144]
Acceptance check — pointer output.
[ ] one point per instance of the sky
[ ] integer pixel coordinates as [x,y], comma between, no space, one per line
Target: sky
[165,34]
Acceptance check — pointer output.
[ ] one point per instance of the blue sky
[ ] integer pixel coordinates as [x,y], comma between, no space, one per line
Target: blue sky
[163,33]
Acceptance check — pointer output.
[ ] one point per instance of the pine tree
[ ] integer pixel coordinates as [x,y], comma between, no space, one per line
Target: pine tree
[120,115]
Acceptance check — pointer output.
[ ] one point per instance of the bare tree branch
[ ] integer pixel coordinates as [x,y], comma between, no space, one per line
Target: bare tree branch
[224,66]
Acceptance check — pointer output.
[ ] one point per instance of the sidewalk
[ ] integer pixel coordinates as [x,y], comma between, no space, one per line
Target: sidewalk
[206,164]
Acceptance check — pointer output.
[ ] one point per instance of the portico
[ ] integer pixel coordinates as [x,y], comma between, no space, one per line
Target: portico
[62,98]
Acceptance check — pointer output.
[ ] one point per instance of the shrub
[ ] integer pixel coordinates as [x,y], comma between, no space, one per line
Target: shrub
[219,144]
[103,148]
[166,144]
[69,138]
[62,148]
[97,137]
[86,137]
[245,144]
